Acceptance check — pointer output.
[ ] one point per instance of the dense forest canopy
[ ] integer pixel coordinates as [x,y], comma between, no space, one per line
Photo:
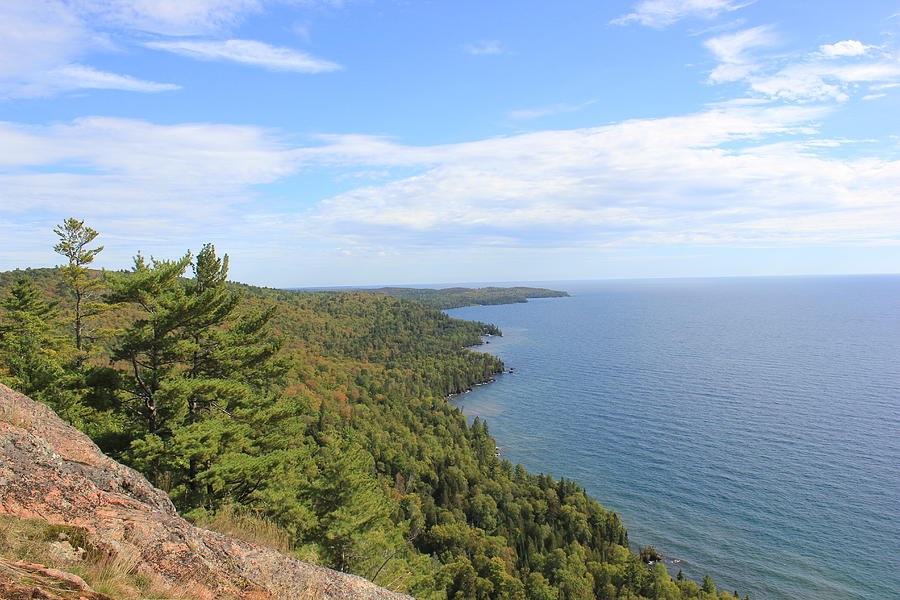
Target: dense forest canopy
[457,297]
[324,414]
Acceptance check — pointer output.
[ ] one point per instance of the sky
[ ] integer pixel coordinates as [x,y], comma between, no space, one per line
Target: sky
[368,142]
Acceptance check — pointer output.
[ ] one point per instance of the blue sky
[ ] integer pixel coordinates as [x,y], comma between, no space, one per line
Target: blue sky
[363,142]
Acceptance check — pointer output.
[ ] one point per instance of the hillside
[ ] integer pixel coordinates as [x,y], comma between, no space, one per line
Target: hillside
[324,415]
[57,479]
[457,297]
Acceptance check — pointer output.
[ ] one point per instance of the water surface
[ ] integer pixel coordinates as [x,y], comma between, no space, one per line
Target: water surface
[745,426]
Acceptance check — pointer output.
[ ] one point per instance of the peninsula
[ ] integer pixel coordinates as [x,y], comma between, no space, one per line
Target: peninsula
[457,297]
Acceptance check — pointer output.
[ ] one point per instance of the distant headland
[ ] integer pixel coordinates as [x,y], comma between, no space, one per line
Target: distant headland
[457,297]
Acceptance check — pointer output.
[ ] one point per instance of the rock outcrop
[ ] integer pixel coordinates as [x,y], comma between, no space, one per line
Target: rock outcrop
[21,580]
[53,472]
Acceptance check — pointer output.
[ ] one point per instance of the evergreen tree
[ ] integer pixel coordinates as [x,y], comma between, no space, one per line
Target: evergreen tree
[74,238]
[32,352]
[28,346]
[195,364]
[27,301]
[153,345]
[348,504]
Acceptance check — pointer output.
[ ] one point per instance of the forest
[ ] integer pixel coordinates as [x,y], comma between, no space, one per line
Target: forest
[324,415]
[457,297]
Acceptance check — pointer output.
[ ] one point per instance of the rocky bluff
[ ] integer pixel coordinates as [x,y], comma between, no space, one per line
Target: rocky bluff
[53,472]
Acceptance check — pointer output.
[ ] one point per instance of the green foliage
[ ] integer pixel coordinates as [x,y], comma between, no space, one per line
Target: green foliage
[33,355]
[28,346]
[458,296]
[324,416]
[74,238]
[153,344]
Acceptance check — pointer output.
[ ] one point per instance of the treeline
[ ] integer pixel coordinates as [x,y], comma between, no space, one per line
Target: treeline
[323,413]
[457,297]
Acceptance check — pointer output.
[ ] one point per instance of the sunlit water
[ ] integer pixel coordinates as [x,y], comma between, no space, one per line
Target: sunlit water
[745,427]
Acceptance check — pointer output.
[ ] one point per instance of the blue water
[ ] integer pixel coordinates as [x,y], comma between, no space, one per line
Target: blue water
[747,427]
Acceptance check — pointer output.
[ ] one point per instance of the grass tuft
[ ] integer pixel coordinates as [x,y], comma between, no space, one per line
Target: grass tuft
[114,575]
[248,526]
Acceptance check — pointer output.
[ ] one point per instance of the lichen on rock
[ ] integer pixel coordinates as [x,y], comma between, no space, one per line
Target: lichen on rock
[53,472]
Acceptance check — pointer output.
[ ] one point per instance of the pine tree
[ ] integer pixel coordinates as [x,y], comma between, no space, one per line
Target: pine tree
[26,300]
[231,358]
[33,354]
[28,348]
[74,239]
[195,364]
[348,503]
[153,345]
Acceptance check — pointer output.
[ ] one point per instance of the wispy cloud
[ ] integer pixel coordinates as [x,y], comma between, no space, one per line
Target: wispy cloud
[302,31]
[484,47]
[737,173]
[178,17]
[248,52]
[38,35]
[44,43]
[734,52]
[546,111]
[814,80]
[169,17]
[827,74]
[41,43]
[81,77]
[146,165]
[664,181]
[661,13]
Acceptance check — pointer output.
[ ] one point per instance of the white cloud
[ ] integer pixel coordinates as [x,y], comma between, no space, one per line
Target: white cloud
[79,77]
[830,74]
[868,72]
[157,188]
[661,13]
[733,51]
[248,52]
[38,35]
[845,48]
[179,17]
[484,47]
[40,43]
[546,111]
[737,173]
[799,83]
[43,43]
[816,80]
[107,165]
[662,181]
[170,17]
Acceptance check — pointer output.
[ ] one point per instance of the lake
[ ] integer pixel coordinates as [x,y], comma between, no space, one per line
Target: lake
[746,427]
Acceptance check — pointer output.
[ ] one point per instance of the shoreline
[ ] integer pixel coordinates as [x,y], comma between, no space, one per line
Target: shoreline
[493,377]
[671,564]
